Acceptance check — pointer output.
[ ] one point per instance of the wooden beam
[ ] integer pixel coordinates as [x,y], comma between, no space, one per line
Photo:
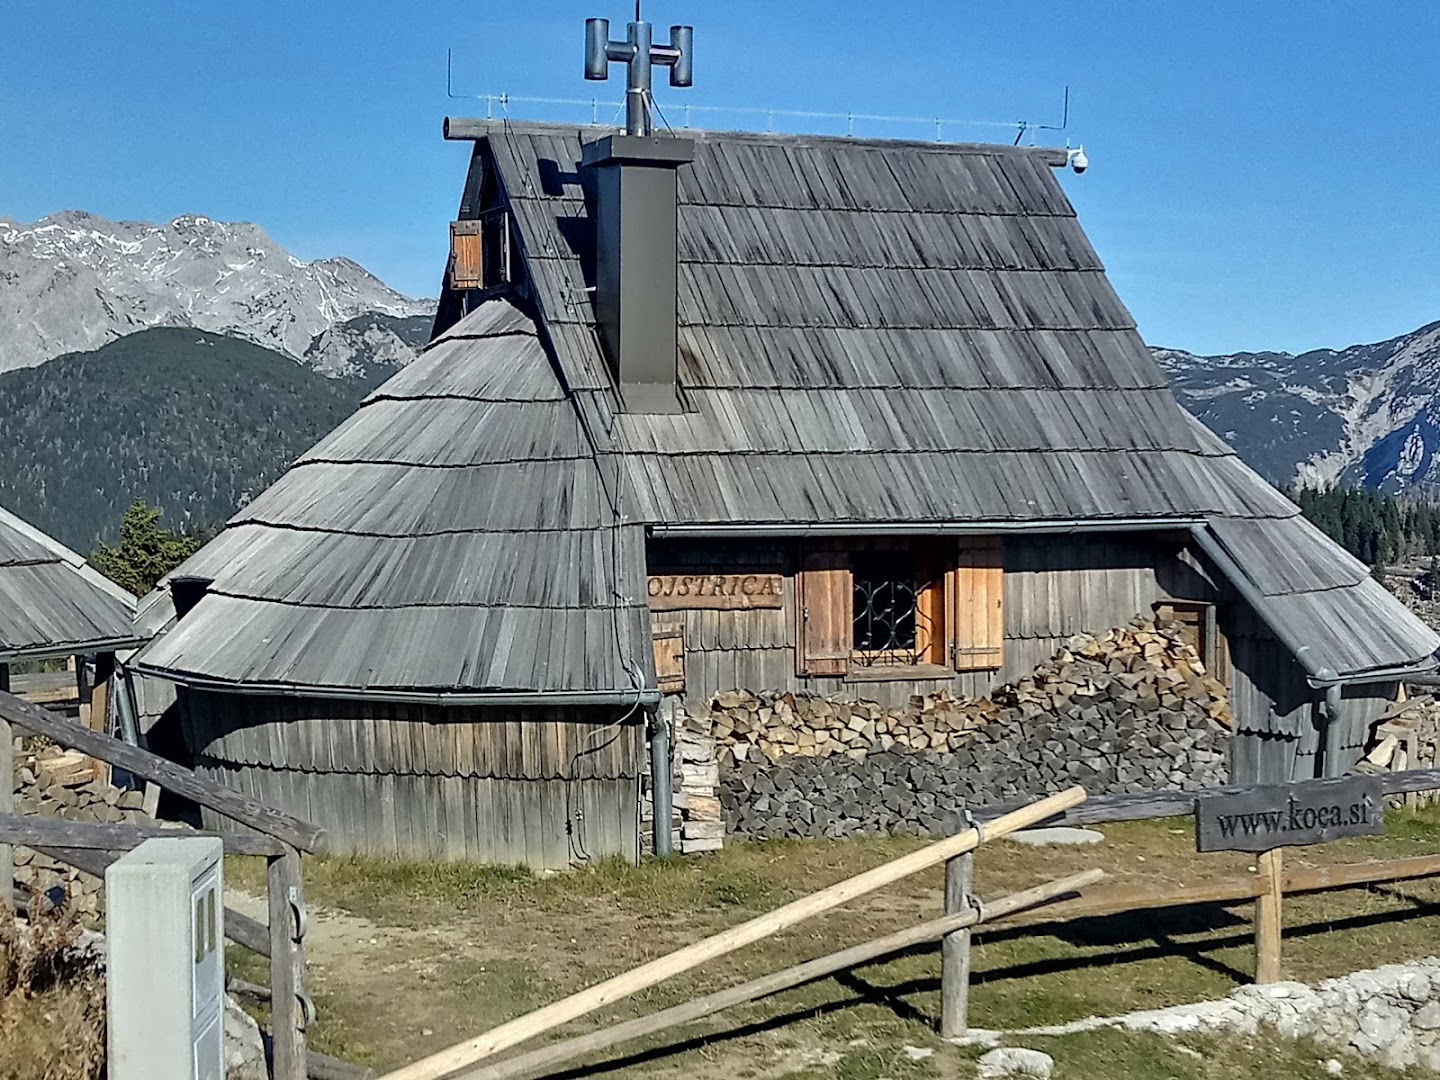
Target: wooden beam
[1268,919]
[1122,898]
[223,800]
[955,950]
[538,1062]
[7,807]
[239,928]
[287,966]
[691,956]
[29,830]
[1143,805]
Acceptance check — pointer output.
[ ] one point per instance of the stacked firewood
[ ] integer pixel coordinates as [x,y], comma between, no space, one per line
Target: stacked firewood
[67,784]
[1128,710]
[772,725]
[1407,737]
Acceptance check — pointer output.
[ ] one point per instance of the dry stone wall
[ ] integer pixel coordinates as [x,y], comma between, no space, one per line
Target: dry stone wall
[1130,710]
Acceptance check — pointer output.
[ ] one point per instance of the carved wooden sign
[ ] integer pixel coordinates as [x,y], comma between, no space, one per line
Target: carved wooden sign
[730,591]
[1286,815]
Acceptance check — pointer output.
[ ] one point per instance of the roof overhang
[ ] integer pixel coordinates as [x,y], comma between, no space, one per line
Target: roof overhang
[645,697]
[729,530]
[51,651]
[1319,677]
[471,128]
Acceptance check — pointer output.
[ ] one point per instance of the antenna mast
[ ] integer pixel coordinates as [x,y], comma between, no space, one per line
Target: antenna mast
[638,53]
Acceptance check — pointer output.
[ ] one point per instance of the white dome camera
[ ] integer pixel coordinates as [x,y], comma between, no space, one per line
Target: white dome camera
[1078,161]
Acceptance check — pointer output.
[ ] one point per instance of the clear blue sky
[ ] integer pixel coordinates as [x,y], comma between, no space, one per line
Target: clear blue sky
[1264,175]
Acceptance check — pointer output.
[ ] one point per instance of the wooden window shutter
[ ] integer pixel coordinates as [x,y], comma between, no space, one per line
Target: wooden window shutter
[669,641]
[825,601]
[467,270]
[977,619]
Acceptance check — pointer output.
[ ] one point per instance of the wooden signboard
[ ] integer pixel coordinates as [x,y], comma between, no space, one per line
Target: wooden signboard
[669,592]
[1290,815]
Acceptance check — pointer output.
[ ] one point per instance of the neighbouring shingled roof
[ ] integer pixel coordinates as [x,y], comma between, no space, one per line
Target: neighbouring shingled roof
[453,536]
[870,331]
[52,602]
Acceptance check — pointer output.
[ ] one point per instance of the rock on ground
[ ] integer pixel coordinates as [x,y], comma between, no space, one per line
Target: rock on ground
[244,1049]
[1062,835]
[1014,1062]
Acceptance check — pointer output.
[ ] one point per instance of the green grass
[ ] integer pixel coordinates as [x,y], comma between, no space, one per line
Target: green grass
[409,958]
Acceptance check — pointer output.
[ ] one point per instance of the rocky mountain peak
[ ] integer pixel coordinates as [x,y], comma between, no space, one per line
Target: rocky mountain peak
[74,280]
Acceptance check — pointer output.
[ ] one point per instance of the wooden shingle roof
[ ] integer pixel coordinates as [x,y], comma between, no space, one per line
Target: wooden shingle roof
[52,602]
[870,332]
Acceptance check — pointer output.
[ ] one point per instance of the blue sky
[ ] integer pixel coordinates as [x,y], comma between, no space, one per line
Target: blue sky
[1263,175]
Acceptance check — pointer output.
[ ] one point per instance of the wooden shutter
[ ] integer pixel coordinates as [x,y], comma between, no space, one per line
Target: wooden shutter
[977,613]
[669,642]
[466,262]
[825,601]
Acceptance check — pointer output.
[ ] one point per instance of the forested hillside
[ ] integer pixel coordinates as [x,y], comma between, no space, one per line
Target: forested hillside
[1376,528]
[193,422]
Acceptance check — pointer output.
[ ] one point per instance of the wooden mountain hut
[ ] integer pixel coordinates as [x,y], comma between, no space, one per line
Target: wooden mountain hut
[833,415]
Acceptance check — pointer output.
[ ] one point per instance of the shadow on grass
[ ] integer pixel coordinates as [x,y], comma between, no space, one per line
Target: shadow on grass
[1153,939]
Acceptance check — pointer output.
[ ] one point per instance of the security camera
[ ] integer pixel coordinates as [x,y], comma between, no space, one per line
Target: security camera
[1078,161]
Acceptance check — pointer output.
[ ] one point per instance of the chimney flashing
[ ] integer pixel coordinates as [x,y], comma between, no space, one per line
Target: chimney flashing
[653,150]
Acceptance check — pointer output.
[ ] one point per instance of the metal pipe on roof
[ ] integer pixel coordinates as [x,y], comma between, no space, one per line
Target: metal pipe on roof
[925,528]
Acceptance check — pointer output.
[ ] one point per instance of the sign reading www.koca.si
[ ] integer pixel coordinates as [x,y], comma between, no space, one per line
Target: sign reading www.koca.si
[1286,815]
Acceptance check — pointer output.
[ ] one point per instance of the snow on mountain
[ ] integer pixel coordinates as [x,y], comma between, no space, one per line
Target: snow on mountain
[1366,414]
[74,281]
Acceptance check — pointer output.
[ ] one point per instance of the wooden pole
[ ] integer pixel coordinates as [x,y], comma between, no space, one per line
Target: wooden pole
[1268,917]
[538,1062]
[287,966]
[7,797]
[622,986]
[955,950]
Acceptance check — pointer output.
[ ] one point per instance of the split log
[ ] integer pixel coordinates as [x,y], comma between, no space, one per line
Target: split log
[691,956]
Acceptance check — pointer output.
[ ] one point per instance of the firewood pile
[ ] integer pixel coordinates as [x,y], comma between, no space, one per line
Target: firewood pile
[1407,737]
[66,784]
[1144,666]
[1128,710]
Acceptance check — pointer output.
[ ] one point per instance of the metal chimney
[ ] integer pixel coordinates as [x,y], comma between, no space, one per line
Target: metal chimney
[635,219]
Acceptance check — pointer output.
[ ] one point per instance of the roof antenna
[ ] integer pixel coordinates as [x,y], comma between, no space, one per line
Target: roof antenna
[637,53]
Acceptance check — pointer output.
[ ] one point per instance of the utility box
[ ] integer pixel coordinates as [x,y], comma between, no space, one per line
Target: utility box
[165,972]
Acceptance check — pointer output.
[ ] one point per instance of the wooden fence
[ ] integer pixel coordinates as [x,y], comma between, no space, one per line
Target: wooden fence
[275,835]
[479,1058]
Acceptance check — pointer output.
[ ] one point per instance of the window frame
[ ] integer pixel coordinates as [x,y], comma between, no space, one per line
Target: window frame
[959,608]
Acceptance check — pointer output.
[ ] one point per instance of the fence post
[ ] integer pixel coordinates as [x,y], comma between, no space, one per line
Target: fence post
[1268,916]
[289,1007]
[955,950]
[7,797]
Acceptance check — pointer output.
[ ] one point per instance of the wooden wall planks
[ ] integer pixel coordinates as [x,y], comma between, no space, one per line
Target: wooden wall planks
[494,785]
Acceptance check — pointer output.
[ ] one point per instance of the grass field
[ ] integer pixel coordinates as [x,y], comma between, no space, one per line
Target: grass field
[408,958]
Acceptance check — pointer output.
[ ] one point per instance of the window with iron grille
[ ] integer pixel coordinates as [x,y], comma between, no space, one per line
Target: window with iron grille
[875,608]
[893,623]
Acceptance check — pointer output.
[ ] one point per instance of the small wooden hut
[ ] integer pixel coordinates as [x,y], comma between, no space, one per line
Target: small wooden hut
[841,415]
[53,604]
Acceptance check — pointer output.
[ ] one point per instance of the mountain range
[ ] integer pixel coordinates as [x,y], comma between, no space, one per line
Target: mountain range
[1367,414]
[75,281]
[188,362]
